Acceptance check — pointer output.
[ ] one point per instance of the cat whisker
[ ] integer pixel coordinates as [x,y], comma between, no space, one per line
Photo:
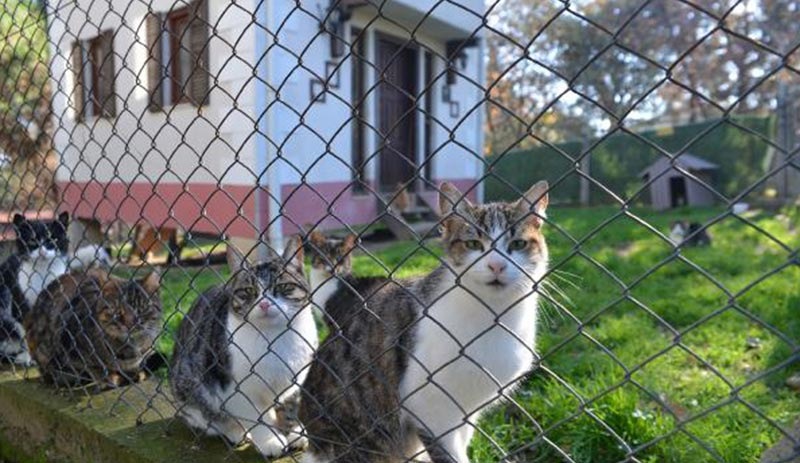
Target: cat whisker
[566,277]
[558,290]
[550,303]
[545,307]
[547,288]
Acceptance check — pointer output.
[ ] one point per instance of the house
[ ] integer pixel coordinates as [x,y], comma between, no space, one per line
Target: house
[259,117]
[670,187]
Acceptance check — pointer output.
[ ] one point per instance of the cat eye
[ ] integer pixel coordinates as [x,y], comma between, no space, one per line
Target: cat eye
[517,245]
[285,288]
[245,293]
[288,290]
[473,245]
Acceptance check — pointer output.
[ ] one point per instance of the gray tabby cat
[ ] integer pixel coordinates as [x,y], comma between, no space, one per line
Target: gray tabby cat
[243,349]
[410,376]
[93,327]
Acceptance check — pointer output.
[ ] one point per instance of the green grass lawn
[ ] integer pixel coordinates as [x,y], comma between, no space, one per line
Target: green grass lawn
[680,353]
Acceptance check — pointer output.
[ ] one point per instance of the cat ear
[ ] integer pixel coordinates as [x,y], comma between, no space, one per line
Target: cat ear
[150,282]
[18,219]
[350,242]
[534,200]
[293,253]
[452,200]
[236,260]
[63,219]
[317,239]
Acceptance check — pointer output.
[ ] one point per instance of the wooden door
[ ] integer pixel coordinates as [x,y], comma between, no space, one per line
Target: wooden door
[397,79]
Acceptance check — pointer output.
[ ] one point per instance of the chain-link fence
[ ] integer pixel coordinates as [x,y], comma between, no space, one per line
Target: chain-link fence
[318,227]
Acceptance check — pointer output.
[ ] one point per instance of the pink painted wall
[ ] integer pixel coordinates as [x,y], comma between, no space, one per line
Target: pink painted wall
[334,205]
[202,207]
[227,209]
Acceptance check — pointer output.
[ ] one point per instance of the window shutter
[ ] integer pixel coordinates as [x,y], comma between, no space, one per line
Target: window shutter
[77,88]
[155,86]
[199,36]
[107,76]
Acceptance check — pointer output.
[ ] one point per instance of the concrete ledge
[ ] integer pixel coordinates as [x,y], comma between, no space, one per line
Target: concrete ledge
[41,424]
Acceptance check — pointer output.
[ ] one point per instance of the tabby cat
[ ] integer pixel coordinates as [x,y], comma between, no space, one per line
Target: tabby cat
[40,257]
[336,292]
[244,348]
[410,376]
[93,327]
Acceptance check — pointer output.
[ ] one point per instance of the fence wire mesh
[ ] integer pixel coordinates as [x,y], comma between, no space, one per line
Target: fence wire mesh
[318,227]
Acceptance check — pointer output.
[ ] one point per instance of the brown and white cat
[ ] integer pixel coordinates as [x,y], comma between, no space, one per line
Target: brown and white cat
[94,327]
[411,374]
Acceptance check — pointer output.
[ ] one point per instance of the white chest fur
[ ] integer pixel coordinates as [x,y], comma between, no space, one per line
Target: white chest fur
[463,358]
[270,362]
[323,286]
[36,273]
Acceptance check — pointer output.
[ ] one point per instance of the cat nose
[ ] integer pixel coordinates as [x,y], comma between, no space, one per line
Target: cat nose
[497,267]
[265,306]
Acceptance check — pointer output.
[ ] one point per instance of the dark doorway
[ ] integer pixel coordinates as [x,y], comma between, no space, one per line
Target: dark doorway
[429,121]
[677,191]
[397,78]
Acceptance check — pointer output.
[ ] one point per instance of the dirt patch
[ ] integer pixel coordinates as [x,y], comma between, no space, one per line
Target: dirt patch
[786,450]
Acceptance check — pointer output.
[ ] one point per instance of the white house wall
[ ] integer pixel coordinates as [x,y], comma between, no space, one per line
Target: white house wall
[176,167]
[177,140]
[141,164]
[318,147]
[302,142]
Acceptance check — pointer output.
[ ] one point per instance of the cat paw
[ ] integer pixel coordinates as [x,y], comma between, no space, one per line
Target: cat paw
[297,443]
[23,359]
[269,441]
[296,440]
[272,446]
[115,380]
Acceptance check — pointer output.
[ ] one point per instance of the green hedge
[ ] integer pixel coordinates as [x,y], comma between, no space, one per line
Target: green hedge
[617,160]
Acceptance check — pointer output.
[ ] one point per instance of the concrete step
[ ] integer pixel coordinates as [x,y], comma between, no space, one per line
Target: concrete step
[408,216]
[404,230]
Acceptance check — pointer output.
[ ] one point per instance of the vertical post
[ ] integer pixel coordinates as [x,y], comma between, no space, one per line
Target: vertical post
[268,213]
[419,119]
[586,171]
[786,142]
[483,95]
[372,165]
[793,168]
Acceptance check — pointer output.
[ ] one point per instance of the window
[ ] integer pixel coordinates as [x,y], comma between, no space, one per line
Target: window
[93,65]
[178,63]
[179,66]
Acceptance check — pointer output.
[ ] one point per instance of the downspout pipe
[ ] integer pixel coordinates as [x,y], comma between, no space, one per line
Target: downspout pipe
[268,200]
